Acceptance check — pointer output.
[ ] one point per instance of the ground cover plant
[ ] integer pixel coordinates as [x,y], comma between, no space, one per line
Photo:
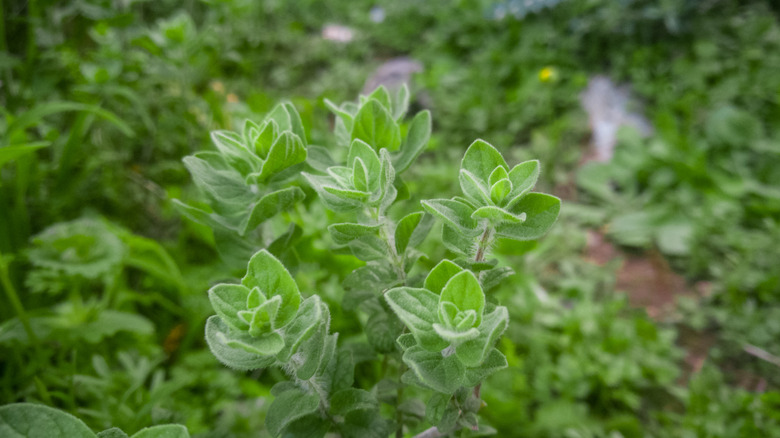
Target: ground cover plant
[151,235]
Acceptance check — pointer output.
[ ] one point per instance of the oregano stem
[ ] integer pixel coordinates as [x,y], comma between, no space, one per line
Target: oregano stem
[484,244]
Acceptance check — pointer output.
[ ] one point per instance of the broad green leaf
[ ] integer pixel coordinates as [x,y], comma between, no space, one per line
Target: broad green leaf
[493,277]
[415,142]
[288,407]
[416,308]
[301,328]
[345,116]
[12,152]
[442,374]
[26,420]
[434,409]
[405,229]
[356,196]
[364,424]
[163,431]
[216,336]
[382,326]
[440,275]
[495,361]
[266,345]
[456,242]
[272,278]
[464,291]
[500,190]
[231,145]
[218,180]
[110,322]
[314,350]
[345,233]
[370,160]
[382,96]
[497,215]
[309,426]
[263,315]
[288,150]
[352,399]
[360,176]
[269,205]
[113,432]
[288,119]
[523,177]
[497,175]
[319,158]
[474,189]
[332,201]
[374,125]
[387,190]
[341,370]
[368,248]
[481,159]
[455,214]
[474,352]
[227,300]
[541,212]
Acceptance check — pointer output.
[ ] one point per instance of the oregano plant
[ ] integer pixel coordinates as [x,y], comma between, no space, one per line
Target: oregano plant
[431,335]
[435,334]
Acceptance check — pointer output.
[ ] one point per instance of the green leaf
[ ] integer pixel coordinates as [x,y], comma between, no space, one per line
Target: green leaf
[497,175]
[415,142]
[26,420]
[218,180]
[440,275]
[217,333]
[163,431]
[271,204]
[375,126]
[314,351]
[288,119]
[381,95]
[404,230]
[288,407]
[497,215]
[370,160]
[474,189]
[288,150]
[401,102]
[481,159]
[113,432]
[455,337]
[364,424]
[360,176]
[442,374]
[231,145]
[309,426]
[474,352]
[416,308]
[523,177]
[12,152]
[500,190]
[456,242]
[227,300]
[352,399]
[454,213]
[323,185]
[382,326]
[541,212]
[307,320]
[39,111]
[495,361]
[434,409]
[464,291]
[272,278]
[345,233]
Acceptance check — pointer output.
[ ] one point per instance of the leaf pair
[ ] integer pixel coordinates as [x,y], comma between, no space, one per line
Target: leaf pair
[496,198]
[451,335]
[262,321]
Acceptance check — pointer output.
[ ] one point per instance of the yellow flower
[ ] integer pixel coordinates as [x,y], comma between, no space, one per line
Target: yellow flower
[547,74]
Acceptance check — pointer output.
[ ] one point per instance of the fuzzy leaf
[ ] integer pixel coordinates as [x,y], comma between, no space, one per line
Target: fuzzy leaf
[216,335]
[495,361]
[271,204]
[287,407]
[27,420]
[500,190]
[227,300]
[163,431]
[272,278]
[375,126]
[288,150]
[405,230]
[523,177]
[454,213]
[481,159]
[464,291]
[345,233]
[455,337]
[301,328]
[474,352]
[416,308]
[442,374]
[415,142]
[474,189]
[287,118]
[352,399]
[440,275]
[497,215]
[541,212]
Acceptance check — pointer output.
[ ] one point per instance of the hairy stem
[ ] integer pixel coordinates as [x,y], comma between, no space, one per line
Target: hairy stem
[484,244]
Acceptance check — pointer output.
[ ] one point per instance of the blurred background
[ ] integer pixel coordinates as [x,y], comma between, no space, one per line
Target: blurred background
[651,310]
